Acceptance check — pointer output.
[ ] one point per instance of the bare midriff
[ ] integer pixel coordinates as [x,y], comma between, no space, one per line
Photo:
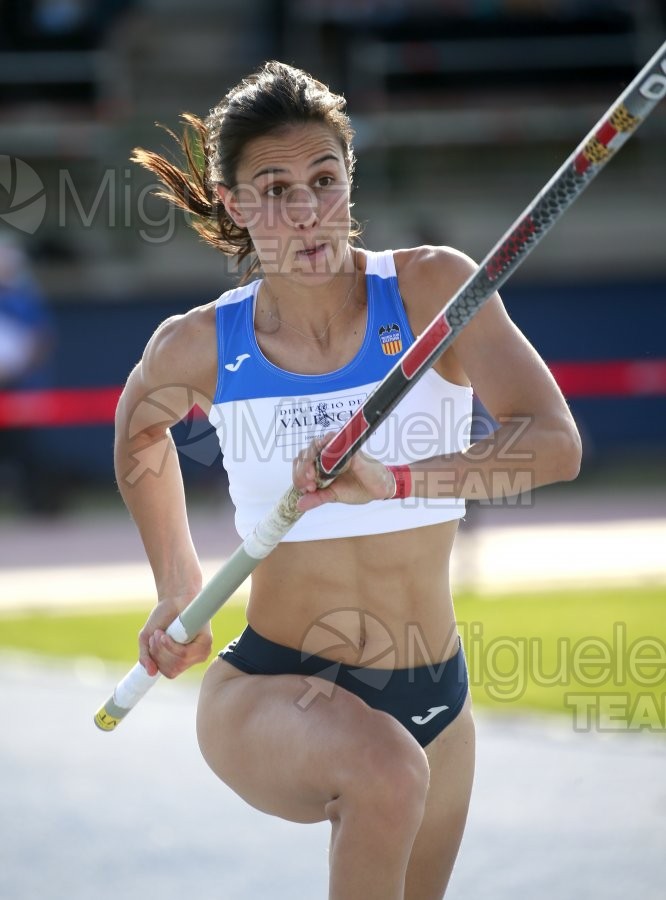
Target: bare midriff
[377,600]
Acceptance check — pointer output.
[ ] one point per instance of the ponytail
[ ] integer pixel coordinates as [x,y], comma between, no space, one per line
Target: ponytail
[189,189]
[275,96]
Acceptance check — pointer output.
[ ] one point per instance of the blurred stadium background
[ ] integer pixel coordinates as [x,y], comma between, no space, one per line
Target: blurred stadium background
[463,109]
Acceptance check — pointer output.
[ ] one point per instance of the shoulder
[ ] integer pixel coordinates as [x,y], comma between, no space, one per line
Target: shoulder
[183,350]
[433,269]
[428,277]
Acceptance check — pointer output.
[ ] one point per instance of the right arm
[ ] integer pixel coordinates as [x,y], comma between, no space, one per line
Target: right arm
[150,481]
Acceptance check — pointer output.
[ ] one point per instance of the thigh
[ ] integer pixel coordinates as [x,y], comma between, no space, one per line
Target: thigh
[451,759]
[285,757]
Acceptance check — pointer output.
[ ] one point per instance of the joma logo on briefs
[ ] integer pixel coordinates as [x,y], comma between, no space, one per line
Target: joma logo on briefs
[297,423]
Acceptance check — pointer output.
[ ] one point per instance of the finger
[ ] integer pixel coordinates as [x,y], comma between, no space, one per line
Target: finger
[173,658]
[304,473]
[324,441]
[306,476]
[312,500]
[320,442]
[166,653]
[145,658]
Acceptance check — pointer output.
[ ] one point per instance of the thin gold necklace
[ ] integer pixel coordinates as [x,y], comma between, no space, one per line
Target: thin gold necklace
[319,337]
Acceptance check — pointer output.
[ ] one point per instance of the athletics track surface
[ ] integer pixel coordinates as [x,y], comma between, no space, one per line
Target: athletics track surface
[556,814]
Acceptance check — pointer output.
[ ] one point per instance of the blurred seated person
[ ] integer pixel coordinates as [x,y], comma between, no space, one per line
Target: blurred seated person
[26,342]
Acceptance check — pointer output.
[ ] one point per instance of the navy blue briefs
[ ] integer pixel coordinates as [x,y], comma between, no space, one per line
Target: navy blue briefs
[424,699]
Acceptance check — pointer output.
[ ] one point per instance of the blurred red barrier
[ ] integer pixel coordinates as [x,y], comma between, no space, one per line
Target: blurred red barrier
[616,378]
[96,406]
[71,406]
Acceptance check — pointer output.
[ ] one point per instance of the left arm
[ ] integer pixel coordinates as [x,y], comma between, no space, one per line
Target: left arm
[537,441]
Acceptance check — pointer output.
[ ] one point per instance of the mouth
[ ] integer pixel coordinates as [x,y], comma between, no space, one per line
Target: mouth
[313,252]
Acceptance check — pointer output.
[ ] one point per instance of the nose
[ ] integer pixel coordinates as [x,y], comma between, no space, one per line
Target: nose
[302,207]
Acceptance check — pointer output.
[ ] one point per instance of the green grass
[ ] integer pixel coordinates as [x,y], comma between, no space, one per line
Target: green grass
[595,654]
[590,654]
[109,636]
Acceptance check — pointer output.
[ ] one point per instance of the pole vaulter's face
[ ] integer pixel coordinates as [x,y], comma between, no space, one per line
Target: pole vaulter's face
[292,194]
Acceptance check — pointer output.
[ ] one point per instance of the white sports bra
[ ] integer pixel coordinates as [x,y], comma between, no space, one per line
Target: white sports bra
[264,415]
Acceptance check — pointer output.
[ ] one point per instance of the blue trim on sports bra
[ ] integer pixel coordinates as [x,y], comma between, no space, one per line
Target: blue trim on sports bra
[259,377]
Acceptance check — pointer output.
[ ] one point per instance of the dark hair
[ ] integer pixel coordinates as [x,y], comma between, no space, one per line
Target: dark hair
[275,96]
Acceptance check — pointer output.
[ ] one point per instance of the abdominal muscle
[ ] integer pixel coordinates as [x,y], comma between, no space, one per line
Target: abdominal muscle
[379,600]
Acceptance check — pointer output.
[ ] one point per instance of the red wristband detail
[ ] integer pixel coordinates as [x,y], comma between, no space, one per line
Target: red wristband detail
[403,482]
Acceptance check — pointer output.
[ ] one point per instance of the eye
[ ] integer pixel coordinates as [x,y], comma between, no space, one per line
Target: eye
[325,181]
[275,190]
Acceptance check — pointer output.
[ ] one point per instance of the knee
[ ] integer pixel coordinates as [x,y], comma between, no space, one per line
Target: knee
[389,775]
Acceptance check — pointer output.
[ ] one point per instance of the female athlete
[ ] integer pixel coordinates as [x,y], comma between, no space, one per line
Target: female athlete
[346,698]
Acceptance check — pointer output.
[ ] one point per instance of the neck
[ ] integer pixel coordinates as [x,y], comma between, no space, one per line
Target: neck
[308,310]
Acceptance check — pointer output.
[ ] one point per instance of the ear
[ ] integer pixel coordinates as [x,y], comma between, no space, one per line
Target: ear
[229,199]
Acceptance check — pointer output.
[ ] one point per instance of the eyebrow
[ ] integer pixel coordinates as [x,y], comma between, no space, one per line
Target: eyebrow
[276,170]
